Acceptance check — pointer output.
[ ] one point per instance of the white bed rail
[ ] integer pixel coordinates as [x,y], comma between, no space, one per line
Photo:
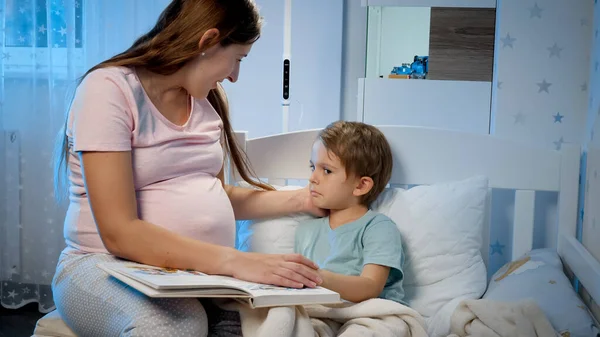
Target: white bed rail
[435,156]
[581,263]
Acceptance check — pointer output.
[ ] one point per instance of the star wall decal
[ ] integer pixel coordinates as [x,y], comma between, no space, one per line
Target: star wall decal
[558,117]
[519,118]
[535,11]
[558,143]
[544,86]
[508,41]
[497,248]
[555,50]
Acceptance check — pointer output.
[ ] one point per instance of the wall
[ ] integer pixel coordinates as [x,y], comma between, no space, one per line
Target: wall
[591,220]
[590,231]
[315,70]
[354,57]
[543,70]
[109,31]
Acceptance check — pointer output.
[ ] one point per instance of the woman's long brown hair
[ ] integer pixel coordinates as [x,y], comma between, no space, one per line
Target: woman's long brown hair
[168,46]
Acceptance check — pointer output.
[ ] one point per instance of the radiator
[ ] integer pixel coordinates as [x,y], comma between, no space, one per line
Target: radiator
[10,171]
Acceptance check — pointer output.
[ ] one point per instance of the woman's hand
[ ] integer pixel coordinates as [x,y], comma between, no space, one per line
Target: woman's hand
[286,270]
[307,204]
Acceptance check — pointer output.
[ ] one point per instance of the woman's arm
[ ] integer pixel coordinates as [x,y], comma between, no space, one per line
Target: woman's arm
[248,203]
[109,184]
[252,204]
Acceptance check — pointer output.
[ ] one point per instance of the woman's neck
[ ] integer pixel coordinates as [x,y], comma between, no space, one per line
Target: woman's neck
[167,95]
[165,89]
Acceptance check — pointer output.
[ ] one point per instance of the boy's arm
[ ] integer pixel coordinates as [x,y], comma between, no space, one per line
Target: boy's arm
[356,289]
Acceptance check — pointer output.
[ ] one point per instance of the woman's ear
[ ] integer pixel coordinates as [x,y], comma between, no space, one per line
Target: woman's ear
[208,39]
[365,184]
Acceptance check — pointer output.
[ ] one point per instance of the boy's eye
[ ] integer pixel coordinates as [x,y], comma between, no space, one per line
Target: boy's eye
[327,171]
[312,167]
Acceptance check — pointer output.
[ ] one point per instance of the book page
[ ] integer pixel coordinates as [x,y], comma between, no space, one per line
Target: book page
[167,278]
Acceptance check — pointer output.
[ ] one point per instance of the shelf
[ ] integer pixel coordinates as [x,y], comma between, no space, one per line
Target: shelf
[459,43]
[456,105]
[432,3]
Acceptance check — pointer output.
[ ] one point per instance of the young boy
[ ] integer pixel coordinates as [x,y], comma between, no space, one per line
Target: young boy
[359,251]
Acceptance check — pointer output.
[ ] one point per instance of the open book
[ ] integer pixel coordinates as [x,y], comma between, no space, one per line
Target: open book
[165,282]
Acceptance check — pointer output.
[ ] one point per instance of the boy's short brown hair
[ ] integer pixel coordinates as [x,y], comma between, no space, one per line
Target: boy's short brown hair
[363,150]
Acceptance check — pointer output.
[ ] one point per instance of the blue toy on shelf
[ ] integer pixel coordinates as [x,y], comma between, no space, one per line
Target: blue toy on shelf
[402,70]
[420,67]
[417,69]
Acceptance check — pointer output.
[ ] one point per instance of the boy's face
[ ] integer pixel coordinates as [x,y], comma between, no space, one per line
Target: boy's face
[329,185]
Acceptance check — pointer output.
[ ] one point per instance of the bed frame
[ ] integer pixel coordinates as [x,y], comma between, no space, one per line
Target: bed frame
[427,156]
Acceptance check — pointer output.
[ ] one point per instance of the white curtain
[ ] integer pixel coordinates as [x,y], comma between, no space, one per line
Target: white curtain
[46,45]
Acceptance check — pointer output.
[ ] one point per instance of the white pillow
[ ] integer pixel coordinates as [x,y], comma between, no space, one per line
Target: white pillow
[539,275]
[442,229]
[275,236]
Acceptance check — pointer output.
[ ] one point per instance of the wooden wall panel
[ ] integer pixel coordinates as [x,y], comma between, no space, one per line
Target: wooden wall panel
[461,44]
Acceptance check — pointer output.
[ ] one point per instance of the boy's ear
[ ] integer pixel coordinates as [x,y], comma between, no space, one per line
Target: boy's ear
[365,184]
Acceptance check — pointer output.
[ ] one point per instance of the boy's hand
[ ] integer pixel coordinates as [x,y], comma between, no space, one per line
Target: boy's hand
[307,204]
[356,288]
[325,276]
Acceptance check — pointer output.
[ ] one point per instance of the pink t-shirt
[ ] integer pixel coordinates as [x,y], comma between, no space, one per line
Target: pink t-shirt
[174,167]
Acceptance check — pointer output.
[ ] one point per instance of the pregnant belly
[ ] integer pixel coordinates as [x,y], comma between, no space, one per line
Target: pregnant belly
[195,206]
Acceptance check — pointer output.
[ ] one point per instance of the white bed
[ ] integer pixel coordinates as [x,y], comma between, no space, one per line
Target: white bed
[424,156]
[431,156]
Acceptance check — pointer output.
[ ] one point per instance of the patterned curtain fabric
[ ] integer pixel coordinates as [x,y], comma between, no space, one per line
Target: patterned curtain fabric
[46,45]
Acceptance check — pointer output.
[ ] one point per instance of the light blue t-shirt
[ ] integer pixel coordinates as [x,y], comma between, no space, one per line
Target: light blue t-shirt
[372,239]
